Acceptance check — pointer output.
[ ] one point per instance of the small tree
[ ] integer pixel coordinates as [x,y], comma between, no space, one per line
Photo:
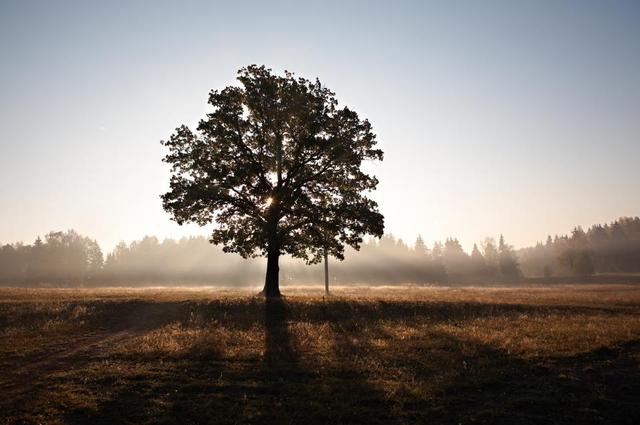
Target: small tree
[277,167]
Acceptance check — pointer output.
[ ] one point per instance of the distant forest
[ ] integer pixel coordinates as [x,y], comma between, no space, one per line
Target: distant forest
[70,259]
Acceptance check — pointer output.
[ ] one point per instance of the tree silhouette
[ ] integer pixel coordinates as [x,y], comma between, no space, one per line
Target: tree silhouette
[277,167]
[420,247]
[455,259]
[478,265]
[576,254]
[491,256]
[507,258]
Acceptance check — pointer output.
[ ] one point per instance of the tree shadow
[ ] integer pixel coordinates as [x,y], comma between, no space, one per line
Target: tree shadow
[280,355]
[281,387]
[442,311]
[295,387]
[491,386]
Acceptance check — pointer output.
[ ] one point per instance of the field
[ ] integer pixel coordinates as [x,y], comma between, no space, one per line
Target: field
[561,354]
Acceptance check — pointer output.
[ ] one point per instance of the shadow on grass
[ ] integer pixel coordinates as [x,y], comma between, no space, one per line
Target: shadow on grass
[29,386]
[599,387]
[464,381]
[278,388]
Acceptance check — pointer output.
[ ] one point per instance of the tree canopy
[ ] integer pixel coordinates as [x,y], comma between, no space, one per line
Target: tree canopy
[277,166]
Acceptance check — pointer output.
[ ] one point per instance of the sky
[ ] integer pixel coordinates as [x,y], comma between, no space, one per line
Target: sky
[496,117]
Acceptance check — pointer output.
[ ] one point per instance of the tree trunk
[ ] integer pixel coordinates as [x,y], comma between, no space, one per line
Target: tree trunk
[272,279]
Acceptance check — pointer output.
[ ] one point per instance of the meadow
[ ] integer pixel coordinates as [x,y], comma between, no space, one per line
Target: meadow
[555,354]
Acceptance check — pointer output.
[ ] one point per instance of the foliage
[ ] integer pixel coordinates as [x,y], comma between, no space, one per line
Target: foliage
[276,166]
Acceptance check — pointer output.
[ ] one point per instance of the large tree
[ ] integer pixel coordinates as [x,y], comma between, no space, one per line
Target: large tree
[277,166]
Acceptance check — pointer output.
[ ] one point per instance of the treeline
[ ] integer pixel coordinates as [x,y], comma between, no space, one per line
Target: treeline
[62,258]
[391,260]
[70,259]
[66,258]
[609,248]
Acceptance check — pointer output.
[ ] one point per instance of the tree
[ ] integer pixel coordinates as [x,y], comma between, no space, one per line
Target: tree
[478,265]
[508,260]
[436,254]
[455,259]
[419,264]
[13,262]
[37,256]
[420,248]
[95,258]
[491,256]
[277,167]
[576,254]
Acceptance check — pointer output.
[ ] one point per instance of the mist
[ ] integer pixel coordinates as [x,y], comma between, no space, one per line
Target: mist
[69,259]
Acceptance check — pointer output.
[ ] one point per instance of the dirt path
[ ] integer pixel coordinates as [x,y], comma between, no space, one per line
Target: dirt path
[32,373]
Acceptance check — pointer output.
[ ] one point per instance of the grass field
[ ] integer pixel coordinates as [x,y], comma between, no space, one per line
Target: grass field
[565,354]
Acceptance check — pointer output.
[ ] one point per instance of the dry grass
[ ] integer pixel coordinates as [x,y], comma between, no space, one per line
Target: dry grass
[567,354]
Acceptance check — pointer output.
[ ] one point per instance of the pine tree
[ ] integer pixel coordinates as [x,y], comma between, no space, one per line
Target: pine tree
[478,265]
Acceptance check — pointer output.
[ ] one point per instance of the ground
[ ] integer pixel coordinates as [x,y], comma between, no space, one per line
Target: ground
[561,354]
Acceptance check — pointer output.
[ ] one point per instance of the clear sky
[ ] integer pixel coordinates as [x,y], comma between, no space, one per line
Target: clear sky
[520,118]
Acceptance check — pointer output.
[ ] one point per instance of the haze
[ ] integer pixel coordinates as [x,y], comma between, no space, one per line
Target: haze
[495,117]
